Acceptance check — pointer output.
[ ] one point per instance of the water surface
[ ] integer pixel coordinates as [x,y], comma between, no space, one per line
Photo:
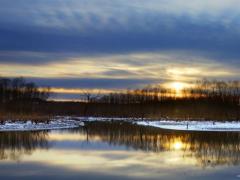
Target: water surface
[118,150]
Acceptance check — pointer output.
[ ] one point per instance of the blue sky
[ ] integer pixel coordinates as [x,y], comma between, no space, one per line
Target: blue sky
[117,44]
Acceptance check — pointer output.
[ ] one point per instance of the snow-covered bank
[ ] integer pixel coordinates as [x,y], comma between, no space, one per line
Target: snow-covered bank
[59,122]
[65,122]
[103,119]
[173,124]
[31,126]
[193,125]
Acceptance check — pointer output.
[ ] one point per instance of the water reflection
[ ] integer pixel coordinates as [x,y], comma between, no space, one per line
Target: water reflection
[14,144]
[208,148]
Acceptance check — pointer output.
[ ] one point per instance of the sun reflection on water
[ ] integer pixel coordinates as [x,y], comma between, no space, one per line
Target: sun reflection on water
[177,145]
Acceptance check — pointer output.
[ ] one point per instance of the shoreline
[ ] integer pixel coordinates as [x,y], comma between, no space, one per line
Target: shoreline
[67,122]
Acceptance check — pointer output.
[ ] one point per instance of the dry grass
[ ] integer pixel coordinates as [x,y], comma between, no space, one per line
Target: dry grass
[25,117]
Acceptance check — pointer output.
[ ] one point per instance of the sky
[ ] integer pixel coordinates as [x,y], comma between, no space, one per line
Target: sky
[119,44]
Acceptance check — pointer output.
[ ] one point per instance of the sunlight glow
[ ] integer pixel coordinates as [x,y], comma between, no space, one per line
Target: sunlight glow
[84,90]
[177,86]
[177,145]
[147,65]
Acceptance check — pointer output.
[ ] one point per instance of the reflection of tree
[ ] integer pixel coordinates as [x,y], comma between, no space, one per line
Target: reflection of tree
[210,149]
[15,144]
[214,148]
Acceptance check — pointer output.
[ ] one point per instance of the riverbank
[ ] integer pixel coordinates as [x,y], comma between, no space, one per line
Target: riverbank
[65,122]
[178,109]
[55,123]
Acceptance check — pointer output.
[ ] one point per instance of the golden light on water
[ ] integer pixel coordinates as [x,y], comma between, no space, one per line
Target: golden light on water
[90,159]
[177,145]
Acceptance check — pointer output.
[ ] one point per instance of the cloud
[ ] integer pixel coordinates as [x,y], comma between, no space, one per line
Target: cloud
[121,26]
[98,15]
[131,42]
[132,68]
[93,83]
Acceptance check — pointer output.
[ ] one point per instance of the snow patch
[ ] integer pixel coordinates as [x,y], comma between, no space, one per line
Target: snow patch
[63,123]
[103,119]
[193,125]
[200,125]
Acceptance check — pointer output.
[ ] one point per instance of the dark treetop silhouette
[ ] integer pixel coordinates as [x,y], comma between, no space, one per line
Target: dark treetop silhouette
[217,100]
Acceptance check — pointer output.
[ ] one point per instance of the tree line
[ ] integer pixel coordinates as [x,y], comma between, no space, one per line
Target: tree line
[203,90]
[18,89]
[203,100]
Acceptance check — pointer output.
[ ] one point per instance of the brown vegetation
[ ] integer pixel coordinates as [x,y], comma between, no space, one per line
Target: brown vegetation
[215,100]
[220,92]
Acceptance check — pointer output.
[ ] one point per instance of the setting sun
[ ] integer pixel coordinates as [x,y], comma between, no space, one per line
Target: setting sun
[178,86]
[123,89]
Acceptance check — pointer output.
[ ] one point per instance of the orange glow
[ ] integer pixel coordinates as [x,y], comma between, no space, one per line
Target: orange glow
[177,86]
[80,91]
[177,145]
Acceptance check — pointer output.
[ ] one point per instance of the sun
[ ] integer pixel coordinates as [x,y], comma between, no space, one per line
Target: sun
[177,86]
